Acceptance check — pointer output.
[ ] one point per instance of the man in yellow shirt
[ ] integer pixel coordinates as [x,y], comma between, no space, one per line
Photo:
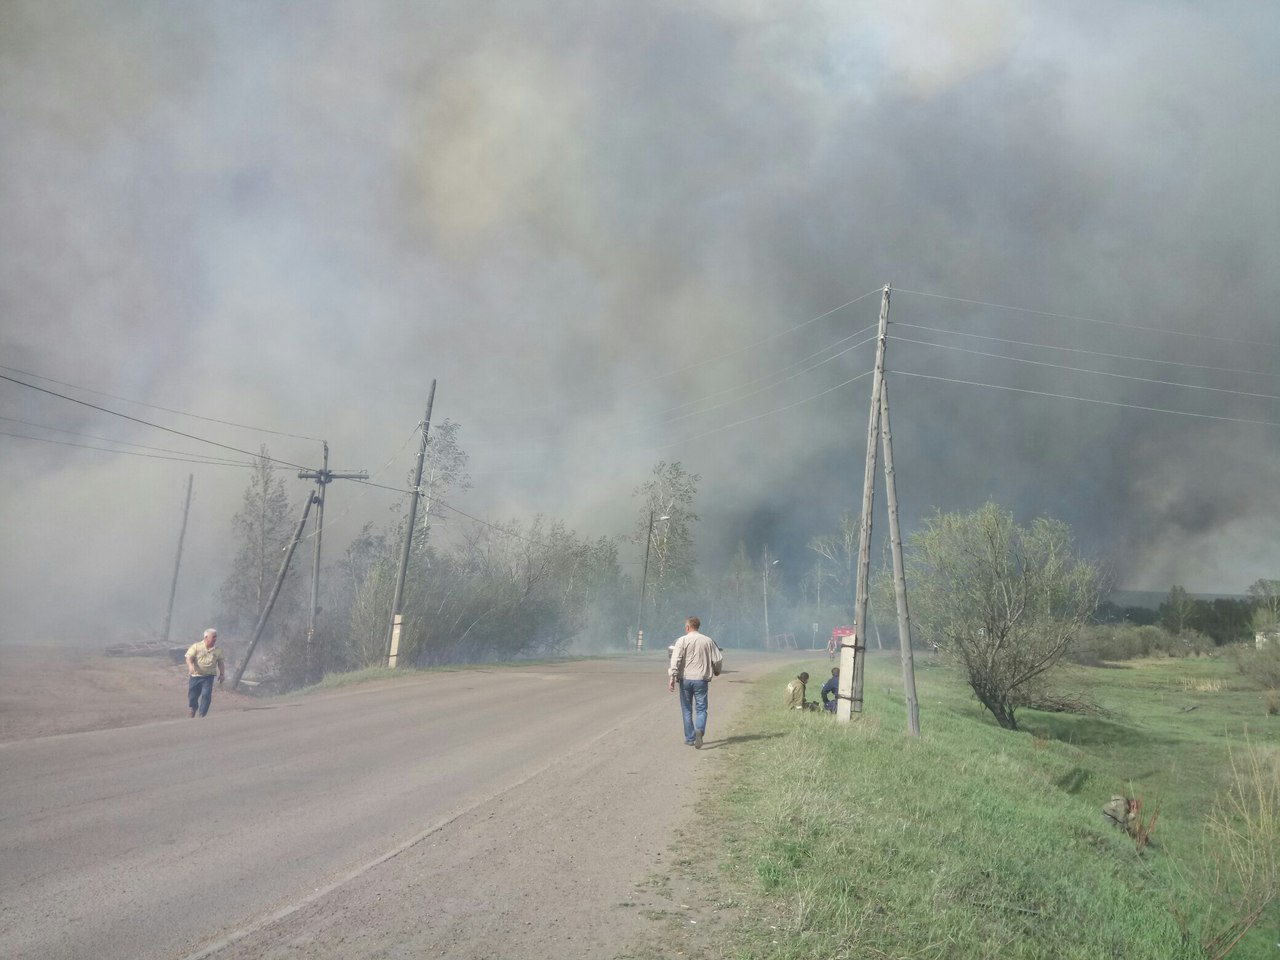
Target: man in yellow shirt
[204,661]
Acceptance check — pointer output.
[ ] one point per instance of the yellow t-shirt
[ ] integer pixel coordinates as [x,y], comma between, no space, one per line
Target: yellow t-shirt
[206,660]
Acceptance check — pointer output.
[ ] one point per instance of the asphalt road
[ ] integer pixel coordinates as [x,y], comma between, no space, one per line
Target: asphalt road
[494,812]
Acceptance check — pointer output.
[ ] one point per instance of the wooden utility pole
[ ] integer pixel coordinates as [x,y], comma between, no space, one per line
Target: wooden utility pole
[323,477]
[644,577]
[899,576]
[173,589]
[851,657]
[275,591]
[398,599]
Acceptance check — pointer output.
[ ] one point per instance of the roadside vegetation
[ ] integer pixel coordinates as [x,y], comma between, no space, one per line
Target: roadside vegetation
[853,841]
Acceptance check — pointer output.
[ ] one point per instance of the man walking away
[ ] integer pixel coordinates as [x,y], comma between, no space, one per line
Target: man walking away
[204,660]
[695,659]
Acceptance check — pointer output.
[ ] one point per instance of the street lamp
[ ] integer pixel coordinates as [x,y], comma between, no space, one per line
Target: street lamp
[648,542]
[764,583]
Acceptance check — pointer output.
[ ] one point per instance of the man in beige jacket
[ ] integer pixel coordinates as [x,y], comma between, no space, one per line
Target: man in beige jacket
[795,693]
[695,659]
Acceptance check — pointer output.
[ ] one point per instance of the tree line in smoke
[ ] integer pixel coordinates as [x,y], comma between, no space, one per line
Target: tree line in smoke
[481,591]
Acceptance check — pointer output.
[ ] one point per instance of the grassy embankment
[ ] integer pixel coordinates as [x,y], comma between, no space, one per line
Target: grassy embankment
[852,841]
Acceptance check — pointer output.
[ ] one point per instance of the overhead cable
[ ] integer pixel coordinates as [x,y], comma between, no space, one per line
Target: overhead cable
[768,413]
[140,403]
[147,423]
[1099,373]
[1067,396]
[1092,353]
[1068,316]
[217,462]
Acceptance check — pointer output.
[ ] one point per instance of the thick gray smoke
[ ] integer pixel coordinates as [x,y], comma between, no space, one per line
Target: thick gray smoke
[580,216]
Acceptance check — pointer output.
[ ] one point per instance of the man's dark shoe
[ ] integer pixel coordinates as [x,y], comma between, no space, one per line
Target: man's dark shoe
[697,740]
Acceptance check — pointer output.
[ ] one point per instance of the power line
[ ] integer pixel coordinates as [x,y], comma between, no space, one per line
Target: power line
[1067,396]
[1092,353]
[1069,316]
[705,361]
[758,343]
[90,436]
[1099,373]
[152,406]
[767,413]
[776,377]
[219,462]
[770,386]
[147,423]
[351,506]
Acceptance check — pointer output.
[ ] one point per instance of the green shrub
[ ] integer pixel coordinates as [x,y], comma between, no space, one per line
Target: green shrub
[1261,664]
[1113,642]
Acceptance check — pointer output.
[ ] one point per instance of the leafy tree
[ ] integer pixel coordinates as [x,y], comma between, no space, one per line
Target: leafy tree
[368,578]
[1265,595]
[508,591]
[443,470]
[1178,611]
[737,607]
[1005,601]
[669,493]
[838,553]
[263,527]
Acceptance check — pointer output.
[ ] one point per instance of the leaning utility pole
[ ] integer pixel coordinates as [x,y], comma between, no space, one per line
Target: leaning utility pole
[173,589]
[323,477]
[849,696]
[899,576]
[393,636]
[275,591]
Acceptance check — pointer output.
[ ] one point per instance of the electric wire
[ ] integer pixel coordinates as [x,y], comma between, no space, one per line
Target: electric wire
[770,386]
[219,462]
[753,393]
[757,343]
[90,436]
[777,378]
[1092,353]
[761,416]
[351,506]
[1099,373]
[152,406]
[147,423]
[1067,396]
[705,361]
[1068,316]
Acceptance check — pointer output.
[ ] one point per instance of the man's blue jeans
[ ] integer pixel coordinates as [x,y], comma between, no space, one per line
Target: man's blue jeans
[199,693]
[693,695]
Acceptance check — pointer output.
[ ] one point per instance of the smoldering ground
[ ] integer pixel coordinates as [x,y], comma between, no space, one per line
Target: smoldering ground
[294,217]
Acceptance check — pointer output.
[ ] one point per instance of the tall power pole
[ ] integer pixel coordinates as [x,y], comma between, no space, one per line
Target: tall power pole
[173,589]
[899,576]
[851,657]
[323,477]
[398,599]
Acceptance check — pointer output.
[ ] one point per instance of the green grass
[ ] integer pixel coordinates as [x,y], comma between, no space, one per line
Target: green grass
[857,841]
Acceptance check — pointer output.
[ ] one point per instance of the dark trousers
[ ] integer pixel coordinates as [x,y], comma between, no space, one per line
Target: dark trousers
[199,693]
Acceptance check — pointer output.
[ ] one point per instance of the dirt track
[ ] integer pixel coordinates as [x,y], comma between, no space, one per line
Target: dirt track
[50,690]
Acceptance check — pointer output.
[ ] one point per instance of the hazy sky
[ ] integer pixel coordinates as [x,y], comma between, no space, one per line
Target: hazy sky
[602,227]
